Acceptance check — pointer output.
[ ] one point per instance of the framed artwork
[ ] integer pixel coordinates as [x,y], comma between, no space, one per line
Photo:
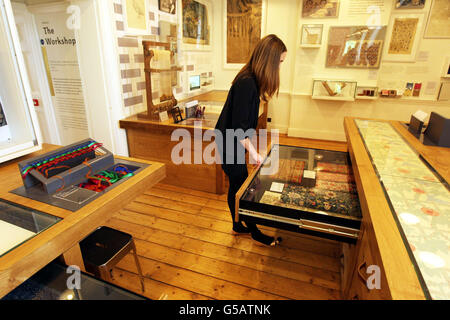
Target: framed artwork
[409,4]
[196,30]
[320,8]
[355,47]
[135,16]
[311,34]
[168,6]
[438,25]
[244,25]
[404,36]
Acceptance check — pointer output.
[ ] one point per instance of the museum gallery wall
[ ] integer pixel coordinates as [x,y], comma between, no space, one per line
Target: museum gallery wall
[186,25]
[379,44]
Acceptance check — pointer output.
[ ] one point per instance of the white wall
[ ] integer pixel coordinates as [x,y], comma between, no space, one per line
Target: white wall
[295,113]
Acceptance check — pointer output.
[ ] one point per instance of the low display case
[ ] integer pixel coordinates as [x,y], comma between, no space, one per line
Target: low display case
[334,90]
[21,224]
[304,190]
[51,283]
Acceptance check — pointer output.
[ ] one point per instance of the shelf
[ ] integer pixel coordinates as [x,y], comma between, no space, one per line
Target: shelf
[333,98]
[366,98]
[173,69]
[311,46]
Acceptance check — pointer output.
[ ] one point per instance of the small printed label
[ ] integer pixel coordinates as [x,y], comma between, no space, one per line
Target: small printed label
[277,187]
[309,174]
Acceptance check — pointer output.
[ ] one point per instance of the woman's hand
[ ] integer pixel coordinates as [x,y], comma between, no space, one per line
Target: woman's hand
[256,158]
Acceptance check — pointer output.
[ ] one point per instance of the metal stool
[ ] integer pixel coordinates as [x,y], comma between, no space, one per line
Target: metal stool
[104,248]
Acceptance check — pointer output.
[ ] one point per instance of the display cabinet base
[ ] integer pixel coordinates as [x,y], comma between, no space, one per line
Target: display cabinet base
[73,198]
[322,230]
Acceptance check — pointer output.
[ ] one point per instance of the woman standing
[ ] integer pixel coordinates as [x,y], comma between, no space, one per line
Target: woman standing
[258,79]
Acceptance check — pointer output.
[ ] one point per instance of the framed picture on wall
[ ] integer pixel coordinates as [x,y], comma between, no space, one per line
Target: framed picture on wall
[311,35]
[355,47]
[320,8]
[196,25]
[404,33]
[438,26]
[135,17]
[168,6]
[409,4]
[244,25]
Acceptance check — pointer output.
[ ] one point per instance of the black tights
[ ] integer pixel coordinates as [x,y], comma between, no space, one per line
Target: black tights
[237,174]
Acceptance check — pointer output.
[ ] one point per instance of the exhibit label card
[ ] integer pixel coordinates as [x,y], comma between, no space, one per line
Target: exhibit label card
[277,187]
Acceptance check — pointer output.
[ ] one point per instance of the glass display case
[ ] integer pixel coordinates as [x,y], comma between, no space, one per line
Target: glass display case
[311,35]
[20,224]
[304,190]
[334,90]
[50,283]
[419,199]
[19,129]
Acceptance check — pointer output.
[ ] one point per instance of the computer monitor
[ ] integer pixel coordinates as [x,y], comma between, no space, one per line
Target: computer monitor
[194,82]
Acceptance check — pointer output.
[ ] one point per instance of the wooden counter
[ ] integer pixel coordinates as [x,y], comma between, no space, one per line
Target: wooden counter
[151,140]
[380,241]
[63,237]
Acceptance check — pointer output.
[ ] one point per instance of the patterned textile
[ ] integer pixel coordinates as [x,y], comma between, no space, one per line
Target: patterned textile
[298,197]
[336,186]
[332,167]
[336,177]
[321,199]
[289,171]
[420,202]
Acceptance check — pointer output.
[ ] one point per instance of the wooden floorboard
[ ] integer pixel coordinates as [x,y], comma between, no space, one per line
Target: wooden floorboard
[187,250]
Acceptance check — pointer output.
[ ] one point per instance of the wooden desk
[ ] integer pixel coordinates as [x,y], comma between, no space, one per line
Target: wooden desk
[63,237]
[151,140]
[380,241]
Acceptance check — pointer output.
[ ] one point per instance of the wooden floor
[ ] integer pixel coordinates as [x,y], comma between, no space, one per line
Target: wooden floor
[187,251]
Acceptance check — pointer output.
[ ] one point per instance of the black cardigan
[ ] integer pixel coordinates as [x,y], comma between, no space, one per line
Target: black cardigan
[240,111]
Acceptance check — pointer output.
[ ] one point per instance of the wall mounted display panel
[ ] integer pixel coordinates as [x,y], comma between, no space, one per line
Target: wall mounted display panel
[355,47]
[196,25]
[404,33]
[320,8]
[244,25]
[438,25]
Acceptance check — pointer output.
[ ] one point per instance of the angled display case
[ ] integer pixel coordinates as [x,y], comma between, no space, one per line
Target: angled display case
[341,90]
[306,191]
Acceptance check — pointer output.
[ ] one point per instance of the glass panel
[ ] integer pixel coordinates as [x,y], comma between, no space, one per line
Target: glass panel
[16,128]
[317,181]
[420,202]
[19,224]
[51,284]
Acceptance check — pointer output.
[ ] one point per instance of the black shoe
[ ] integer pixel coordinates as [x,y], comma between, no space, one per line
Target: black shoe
[267,240]
[239,228]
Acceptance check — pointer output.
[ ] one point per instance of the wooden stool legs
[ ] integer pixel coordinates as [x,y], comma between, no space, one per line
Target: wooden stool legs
[138,265]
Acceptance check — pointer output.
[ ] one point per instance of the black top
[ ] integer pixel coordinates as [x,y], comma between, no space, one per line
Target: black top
[240,111]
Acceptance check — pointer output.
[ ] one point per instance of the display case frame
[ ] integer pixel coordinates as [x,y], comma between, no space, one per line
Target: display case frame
[300,219]
[305,43]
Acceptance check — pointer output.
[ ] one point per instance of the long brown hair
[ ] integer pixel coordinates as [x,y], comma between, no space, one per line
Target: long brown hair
[264,63]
